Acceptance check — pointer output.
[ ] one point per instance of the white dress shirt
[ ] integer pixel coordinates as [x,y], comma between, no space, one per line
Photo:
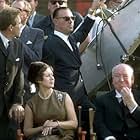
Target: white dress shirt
[64,37]
[4,40]
[31,19]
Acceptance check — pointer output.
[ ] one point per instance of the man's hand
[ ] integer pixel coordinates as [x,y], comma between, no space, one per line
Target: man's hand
[17,112]
[128,98]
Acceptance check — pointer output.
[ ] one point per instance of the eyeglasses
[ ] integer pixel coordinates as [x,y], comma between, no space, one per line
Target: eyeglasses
[59,2]
[67,18]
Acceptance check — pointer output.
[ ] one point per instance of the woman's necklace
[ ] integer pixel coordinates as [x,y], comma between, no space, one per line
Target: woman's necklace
[44,98]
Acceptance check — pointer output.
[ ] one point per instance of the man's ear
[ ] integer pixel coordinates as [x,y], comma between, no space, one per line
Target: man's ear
[10,28]
[55,21]
[133,79]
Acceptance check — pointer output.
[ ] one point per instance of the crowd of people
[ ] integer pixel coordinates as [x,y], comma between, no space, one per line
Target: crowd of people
[41,85]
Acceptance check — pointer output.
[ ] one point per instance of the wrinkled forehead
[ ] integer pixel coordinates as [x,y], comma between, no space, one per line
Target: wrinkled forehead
[122,70]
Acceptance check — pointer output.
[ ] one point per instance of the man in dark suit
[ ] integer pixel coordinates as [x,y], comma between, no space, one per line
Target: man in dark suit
[11,76]
[47,23]
[117,114]
[60,50]
[32,39]
[34,17]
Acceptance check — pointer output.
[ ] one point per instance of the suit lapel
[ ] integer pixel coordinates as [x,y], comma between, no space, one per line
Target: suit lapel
[36,18]
[2,48]
[25,33]
[11,54]
[74,46]
[116,106]
[73,53]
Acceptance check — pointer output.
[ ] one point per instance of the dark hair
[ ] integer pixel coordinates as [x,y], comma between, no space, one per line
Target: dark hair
[56,11]
[36,71]
[8,17]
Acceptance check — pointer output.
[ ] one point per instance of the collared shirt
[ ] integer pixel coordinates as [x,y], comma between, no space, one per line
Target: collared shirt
[31,19]
[118,96]
[64,37]
[21,29]
[4,40]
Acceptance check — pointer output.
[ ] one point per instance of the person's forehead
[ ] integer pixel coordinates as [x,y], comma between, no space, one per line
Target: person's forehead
[19,4]
[122,70]
[59,0]
[65,12]
[2,0]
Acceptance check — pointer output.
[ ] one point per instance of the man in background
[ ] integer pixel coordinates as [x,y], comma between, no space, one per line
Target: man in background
[60,50]
[117,114]
[34,17]
[11,76]
[32,39]
[47,23]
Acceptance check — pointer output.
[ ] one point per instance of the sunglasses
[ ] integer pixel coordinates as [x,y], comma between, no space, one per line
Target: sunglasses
[67,18]
[59,2]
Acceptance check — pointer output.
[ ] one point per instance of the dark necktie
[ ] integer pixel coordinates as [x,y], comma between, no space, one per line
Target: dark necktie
[122,104]
[9,47]
[73,45]
[124,108]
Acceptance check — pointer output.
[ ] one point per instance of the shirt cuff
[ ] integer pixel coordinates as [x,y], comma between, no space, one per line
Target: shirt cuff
[131,111]
[91,16]
[110,137]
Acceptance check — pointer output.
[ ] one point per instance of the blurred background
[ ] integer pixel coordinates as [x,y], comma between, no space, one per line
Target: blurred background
[78,5]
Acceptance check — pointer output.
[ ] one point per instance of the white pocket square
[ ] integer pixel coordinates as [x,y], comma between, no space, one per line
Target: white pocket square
[17,59]
[28,42]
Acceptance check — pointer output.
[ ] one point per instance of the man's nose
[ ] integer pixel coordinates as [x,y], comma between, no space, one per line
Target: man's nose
[121,78]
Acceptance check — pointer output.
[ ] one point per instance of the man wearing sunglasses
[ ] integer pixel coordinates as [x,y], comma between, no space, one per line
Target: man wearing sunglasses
[47,23]
[61,51]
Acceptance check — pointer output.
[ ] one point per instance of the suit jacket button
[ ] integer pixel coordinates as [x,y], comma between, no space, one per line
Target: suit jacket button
[125,135]
[7,73]
[6,83]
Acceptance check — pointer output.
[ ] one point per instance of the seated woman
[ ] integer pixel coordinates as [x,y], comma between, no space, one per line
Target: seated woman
[50,114]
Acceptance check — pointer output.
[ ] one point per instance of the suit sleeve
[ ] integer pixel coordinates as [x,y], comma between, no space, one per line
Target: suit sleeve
[78,19]
[136,114]
[19,80]
[34,53]
[100,127]
[81,32]
[48,56]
